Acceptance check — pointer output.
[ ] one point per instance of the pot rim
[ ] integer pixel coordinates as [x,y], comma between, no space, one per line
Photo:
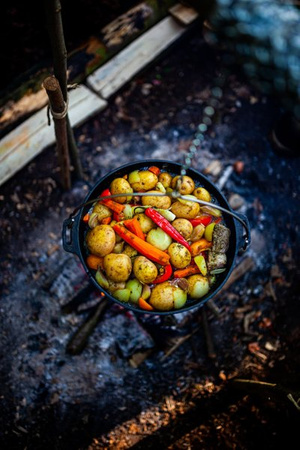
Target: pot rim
[77,226]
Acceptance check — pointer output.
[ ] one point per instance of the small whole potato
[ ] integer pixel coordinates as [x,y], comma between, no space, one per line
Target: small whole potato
[144,181]
[117,267]
[120,186]
[102,211]
[180,257]
[198,286]
[163,202]
[202,194]
[165,297]
[184,227]
[186,186]
[165,178]
[144,269]
[187,210]
[146,223]
[101,240]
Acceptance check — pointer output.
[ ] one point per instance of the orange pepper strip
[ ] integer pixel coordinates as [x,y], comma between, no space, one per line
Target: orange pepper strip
[200,246]
[93,262]
[189,270]
[106,220]
[154,170]
[134,226]
[86,218]
[141,246]
[144,305]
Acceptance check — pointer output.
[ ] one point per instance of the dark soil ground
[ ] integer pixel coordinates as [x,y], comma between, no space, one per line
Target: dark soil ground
[189,399]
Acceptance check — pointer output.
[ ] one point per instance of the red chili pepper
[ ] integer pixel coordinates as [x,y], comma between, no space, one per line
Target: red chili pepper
[205,220]
[165,225]
[165,276]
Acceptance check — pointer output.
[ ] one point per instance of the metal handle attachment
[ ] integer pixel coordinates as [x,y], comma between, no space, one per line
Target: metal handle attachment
[68,236]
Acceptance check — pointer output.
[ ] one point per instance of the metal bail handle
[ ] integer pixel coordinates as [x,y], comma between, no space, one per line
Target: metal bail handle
[175,194]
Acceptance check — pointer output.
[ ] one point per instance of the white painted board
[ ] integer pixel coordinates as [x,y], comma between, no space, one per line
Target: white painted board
[121,68]
[30,138]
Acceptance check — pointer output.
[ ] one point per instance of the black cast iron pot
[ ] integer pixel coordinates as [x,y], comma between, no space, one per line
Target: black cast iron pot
[74,229]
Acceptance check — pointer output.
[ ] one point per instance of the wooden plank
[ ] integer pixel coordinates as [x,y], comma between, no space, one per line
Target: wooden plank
[184,14]
[28,140]
[120,69]
[22,100]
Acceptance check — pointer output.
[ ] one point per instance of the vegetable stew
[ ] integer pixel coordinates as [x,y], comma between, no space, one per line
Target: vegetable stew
[155,252]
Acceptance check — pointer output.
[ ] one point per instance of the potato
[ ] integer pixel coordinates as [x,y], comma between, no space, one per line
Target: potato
[101,240]
[202,194]
[163,202]
[180,257]
[198,286]
[184,227]
[143,180]
[165,179]
[117,267]
[146,223]
[165,296]
[120,186]
[187,185]
[102,211]
[144,269]
[188,210]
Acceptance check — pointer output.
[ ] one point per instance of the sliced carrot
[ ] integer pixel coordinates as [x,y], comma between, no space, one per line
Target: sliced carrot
[111,204]
[200,246]
[143,247]
[144,305]
[154,170]
[106,220]
[134,226]
[114,206]
[189,270]
[93,262]
[86,218]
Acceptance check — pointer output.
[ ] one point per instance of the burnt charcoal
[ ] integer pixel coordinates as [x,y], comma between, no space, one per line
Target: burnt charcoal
[132,337]
[37,342]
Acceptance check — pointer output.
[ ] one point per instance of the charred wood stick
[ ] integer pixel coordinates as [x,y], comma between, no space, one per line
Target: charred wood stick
[59,51]
[78,299]
[214,308]
[208,337]
[179,342]
[246,265]
[262,387]
[58,108]
[79,340]
[138,358]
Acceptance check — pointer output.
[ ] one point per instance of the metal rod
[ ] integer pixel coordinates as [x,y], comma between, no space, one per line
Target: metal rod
[174,194]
